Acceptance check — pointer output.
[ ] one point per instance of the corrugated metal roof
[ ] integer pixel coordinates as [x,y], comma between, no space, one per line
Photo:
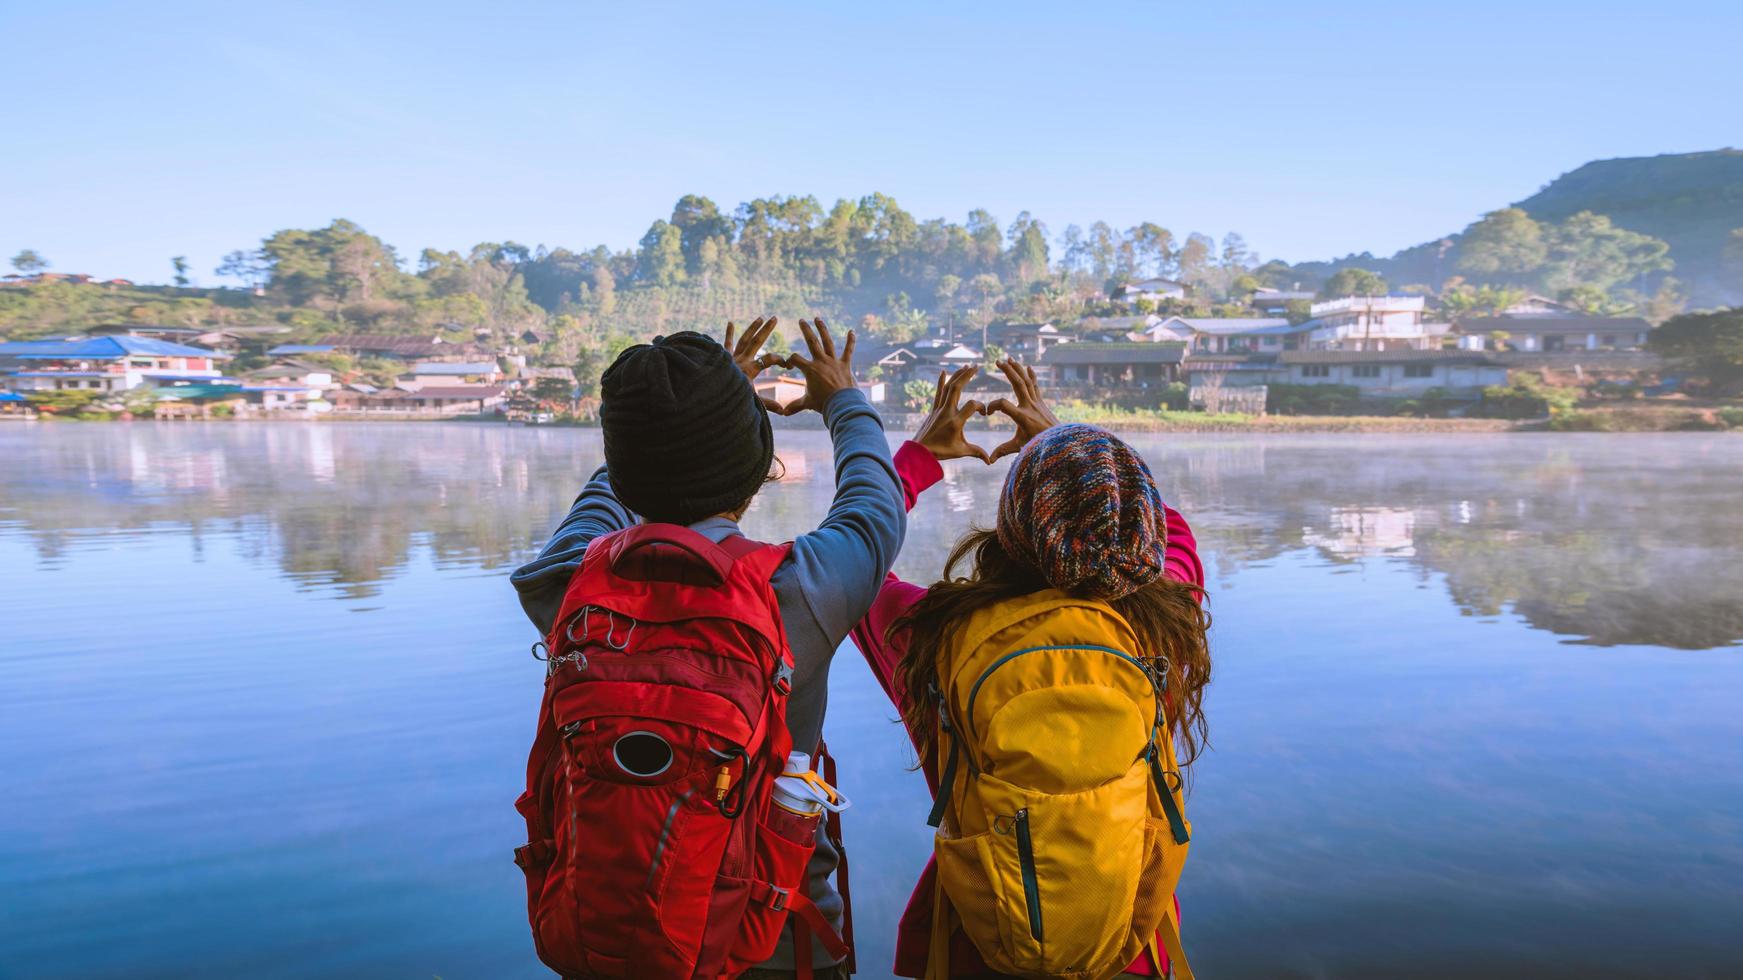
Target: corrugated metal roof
[301,349]
[103,348]
[1092,352]
[1553,324]
[1249,326]
[457,368]
[1384,357]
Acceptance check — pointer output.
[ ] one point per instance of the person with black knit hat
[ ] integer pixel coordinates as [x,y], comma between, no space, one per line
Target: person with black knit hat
[688,441]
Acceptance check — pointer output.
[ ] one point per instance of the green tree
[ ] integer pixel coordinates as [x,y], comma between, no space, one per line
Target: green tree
[251,268]
[1195,258]
[1154,246]
[699,220]
[660,260]
[1505,244]
[1353,282]
[1709,345]
[1667,301]
[29,262]
[1103,251]
[917,394]
[1588,250]
[180,263]
[1028,254]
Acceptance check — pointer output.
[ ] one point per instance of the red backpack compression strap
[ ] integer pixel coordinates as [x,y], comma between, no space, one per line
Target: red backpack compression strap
[832,826]
[811,919]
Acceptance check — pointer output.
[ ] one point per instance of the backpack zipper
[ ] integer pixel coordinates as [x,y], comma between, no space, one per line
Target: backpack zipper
[973,692]
[665,832]
[1031,886]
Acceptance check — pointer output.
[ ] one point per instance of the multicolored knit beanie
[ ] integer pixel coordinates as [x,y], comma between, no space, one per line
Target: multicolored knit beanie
[1081,507]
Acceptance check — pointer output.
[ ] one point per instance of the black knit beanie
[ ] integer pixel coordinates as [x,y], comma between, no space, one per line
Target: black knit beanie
[685,435]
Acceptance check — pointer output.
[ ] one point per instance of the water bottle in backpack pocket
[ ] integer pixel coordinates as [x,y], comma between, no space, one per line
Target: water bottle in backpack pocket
[798,800]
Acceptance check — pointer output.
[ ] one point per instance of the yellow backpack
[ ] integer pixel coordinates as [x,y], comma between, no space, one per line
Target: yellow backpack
[1060,831]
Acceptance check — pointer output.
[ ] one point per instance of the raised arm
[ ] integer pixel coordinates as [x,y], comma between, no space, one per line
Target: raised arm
[542,581]
[841,564]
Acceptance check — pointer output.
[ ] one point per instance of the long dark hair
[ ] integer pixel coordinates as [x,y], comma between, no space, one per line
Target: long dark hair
[1166,615]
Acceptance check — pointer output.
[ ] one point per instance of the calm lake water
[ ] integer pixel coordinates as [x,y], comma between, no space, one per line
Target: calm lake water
[1478,705]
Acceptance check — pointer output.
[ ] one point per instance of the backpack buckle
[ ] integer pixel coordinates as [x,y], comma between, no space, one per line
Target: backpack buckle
[777,898]
[783,679]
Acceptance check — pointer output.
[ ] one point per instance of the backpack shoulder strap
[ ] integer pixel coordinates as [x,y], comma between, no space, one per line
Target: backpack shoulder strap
[760,559]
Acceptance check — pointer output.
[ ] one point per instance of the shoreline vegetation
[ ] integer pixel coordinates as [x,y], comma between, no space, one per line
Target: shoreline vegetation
[1676,416]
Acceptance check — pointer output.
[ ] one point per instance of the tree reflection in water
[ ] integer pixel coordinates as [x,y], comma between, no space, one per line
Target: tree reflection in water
[1603,539]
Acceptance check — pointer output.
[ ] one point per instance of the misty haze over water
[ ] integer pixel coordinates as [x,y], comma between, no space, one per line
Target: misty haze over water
[269,698]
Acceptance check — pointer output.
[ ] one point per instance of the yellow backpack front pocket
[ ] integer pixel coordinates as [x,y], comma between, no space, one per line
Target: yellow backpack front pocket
[1045,892]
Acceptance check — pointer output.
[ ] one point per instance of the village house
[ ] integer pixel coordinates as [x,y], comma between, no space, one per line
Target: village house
[430,347]
[1275,302]
[1106,365]
[431,400]
[1027,340]
[1116,328]
[894,363]
[104,364]
[426,373]
[529,377]
[1154,289]
[1229,335]
[1370,323]
[1399,373]
[1230,370]
[292,372]
[1551,332]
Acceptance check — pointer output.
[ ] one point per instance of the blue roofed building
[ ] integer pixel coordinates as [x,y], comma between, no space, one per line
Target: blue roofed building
[104,364]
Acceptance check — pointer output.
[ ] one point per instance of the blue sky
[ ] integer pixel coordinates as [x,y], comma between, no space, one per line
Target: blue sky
[134,132]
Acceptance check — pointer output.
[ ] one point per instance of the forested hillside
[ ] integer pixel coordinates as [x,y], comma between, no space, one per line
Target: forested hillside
[1611,237]
[1693,202]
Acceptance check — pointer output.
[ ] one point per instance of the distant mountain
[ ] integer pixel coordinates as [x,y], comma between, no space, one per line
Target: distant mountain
[1690,200]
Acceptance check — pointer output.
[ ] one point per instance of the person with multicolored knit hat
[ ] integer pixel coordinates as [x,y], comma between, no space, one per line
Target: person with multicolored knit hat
[1079,514]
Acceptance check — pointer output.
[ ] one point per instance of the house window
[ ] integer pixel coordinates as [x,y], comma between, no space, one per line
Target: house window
[1608,340]
[1366,371]
[1315,371]
[1419,370]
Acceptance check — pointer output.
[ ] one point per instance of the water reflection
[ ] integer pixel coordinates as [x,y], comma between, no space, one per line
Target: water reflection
[1605,540]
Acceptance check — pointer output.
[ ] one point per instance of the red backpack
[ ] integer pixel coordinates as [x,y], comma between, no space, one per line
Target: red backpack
[653,850]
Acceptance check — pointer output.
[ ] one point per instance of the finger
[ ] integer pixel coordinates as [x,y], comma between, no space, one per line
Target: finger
[1007,447]
[801,363]
[847,349]
[774,407]
[1002,406]
[768,360]
[978,453]
[811,341]
[1020,382]
[969,409]
[768,328]
[1008,368]
[1034,383]
[823,331]
[958,380]
[940,390]
[729,329]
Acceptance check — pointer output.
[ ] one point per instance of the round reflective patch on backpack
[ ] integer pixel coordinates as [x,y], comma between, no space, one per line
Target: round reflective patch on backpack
[642,754]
